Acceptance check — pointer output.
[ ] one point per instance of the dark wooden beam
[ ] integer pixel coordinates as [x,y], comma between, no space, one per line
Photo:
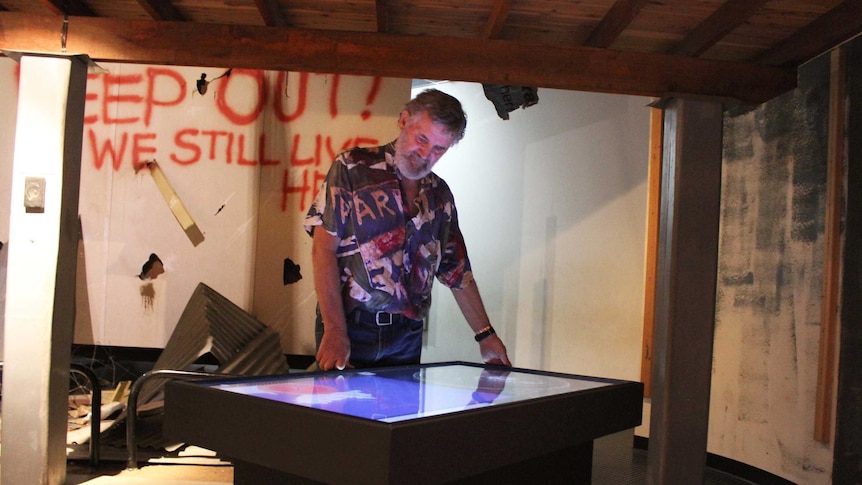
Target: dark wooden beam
[685,291]
[401,56]
[499,13]
[271,13]
[614,22]
[846,459]
[68,7]
[724,20]
[161,10]
[382,12]
[830,29]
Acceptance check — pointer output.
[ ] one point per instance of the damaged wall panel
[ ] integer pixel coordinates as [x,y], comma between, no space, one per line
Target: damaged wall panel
[237,164]
[769,281]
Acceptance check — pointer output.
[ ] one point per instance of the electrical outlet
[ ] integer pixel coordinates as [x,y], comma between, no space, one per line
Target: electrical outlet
[34,194]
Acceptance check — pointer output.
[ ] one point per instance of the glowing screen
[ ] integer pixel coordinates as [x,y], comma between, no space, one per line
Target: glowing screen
[397,394]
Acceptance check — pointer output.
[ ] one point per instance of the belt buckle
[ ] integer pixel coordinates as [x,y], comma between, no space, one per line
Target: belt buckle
[386,322]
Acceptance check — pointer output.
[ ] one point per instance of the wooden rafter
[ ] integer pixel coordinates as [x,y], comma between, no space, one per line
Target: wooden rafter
[382,12]
[499,13]
[834,27]
[161,10]
[271,13]
[729,16]
[420,57]
[69,7]
[614,22]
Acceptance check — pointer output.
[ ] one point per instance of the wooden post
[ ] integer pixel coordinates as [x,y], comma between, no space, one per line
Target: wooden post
[685,291]
[847,457]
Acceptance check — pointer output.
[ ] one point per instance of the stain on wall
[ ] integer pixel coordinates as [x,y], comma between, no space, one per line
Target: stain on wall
[148,296]
[769,282]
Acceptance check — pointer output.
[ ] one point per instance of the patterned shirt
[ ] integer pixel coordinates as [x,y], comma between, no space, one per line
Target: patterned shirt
[388,260]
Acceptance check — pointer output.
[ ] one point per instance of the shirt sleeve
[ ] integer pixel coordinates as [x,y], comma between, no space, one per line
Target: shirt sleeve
[454,270]
[333,204]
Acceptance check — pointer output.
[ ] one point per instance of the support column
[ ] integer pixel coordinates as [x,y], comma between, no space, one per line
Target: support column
[847,457]
[40,290]
[685,291]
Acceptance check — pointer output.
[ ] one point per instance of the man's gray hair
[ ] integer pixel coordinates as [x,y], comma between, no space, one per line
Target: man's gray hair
[443,109]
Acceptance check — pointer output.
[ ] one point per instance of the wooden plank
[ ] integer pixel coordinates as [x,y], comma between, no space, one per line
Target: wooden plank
[614,22]
[730,15]
[426,57]
[653,216]
[159,10]
[826,362]
[381,11]
[175,204]
[271,13]
[836,26]
[73,7]
[499,14]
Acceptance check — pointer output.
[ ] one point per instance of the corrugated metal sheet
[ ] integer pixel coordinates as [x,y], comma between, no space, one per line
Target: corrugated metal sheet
[242,344]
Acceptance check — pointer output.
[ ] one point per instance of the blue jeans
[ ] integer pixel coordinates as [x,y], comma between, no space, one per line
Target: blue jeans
[373,345]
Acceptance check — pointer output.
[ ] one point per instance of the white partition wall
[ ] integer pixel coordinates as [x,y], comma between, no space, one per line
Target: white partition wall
[43,238]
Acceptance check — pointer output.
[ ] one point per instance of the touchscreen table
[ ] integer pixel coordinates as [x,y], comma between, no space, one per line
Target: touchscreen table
[430,423]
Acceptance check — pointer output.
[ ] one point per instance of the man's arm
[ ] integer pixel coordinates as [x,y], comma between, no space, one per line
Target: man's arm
[334,351]
[470,302]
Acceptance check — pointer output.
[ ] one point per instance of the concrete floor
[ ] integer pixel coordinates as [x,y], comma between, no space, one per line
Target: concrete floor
[615,462]
[115,474]
[153,474]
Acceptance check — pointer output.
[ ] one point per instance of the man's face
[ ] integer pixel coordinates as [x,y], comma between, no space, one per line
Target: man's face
[420,145]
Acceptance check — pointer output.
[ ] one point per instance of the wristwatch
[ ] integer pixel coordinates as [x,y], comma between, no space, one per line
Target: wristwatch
[484,333]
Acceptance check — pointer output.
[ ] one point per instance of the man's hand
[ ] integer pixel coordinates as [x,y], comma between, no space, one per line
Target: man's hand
[334,351]
[494,351]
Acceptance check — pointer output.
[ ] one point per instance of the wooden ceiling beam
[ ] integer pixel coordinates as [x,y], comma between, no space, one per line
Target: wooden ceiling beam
[614,22]
[389,55]
[271,13]
[499,14]
[835,27]
[69,7]
[161,10]
[724,20]
[382,12]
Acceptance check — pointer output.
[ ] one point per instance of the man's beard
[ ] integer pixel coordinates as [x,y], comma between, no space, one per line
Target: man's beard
[412,166]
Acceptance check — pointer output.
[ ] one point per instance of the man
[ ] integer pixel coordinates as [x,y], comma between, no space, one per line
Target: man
[388,227]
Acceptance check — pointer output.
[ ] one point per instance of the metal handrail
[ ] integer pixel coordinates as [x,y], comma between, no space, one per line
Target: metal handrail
[132,405]
[95,411]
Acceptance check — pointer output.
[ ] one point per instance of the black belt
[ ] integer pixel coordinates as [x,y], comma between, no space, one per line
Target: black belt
[382,319]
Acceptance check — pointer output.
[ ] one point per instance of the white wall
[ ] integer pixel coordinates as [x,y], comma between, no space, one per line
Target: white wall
[367,114]
[8,109]
[552,203]
[251,133]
